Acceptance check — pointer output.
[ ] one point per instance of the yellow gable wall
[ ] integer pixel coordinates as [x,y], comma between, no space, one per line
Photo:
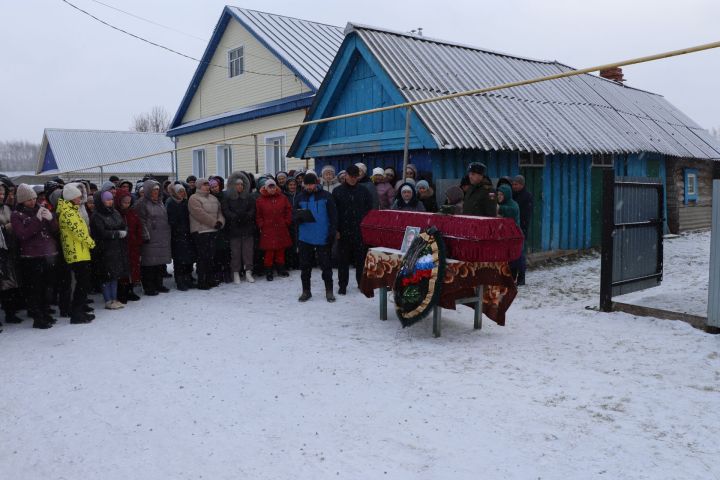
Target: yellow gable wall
[243,150]
[218,93]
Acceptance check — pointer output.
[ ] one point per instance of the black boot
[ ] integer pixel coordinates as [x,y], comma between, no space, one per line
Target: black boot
[132,296]
[305,296]
[342,290]
[11,317]
[329,294]
[282,271]
[122,289]
[41,322]
[269,274]
[78,316]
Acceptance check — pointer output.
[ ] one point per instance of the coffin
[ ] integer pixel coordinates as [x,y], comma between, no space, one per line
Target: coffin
[468,239]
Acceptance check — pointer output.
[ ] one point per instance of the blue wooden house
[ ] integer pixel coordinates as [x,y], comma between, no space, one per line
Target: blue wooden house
[559,134]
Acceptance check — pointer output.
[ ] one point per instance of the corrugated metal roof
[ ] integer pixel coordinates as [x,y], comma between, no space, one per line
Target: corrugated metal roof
[81,149]
[581,114]
[309,47]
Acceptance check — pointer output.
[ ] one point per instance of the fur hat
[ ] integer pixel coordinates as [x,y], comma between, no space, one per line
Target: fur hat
[71,192]
[326,168]
[24,193]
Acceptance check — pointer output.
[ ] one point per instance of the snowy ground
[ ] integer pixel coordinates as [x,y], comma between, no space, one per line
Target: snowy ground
[244,382]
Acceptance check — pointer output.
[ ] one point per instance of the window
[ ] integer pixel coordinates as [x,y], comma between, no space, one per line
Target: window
[236,62]
[199,163]
[224,160]
[528,159]
[691,186]
[275,154]
[602,160]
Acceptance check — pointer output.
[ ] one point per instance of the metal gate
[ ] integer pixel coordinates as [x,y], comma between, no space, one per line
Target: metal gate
[632,236]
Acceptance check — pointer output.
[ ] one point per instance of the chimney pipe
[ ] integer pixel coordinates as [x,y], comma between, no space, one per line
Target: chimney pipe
[614,74]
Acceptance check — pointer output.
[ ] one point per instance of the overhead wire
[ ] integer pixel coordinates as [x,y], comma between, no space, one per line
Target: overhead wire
[176,52]
[474,92]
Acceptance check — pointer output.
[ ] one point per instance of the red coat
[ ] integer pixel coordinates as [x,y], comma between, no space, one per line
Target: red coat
[135,242]
[273,217]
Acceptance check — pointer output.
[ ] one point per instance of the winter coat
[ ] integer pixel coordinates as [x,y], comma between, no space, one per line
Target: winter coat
[480,200]
[273,216]
[156,229]
[111,251]
[239,208]
[323,208]
[414,205]
[36,238]
[181,244]
[525,202]
[454,196]
[353,203]
[509,207]
[134,237]
[8,249]
[429,201]
[74,235]
[372,190]
[386,194]
[331,185]
[205,212]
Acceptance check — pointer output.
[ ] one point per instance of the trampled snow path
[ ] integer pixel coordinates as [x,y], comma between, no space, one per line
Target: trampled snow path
[244,382]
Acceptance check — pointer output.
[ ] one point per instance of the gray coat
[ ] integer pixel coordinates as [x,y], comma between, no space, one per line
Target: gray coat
[156,229]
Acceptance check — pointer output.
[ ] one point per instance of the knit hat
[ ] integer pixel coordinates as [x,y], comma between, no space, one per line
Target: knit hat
[362,167]
[178,187]
[268,182]
[310,179]
[280,174]
[107,185]
[378,171]
[406,188]
[24,193]
[71,192]
[214,183]
[519,179]
[107,195]
[326,168]
[422,184]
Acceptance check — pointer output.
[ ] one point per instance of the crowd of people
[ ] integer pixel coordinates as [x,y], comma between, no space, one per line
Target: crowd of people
[61,242]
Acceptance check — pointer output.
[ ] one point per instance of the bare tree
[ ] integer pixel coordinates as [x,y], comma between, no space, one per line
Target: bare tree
[18,155]
[156,120]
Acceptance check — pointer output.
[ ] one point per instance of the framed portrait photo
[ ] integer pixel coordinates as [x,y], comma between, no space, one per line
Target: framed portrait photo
[410,234]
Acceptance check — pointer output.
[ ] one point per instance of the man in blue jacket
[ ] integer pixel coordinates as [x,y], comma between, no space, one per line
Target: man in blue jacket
[316,216]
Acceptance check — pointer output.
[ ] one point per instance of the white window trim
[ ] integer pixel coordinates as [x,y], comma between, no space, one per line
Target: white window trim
[220,160]
[533,162]
[228,61]
[692,185]
[198,173]
[269,165]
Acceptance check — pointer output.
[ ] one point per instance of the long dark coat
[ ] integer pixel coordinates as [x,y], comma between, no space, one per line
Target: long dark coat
[156,229]
[182,246]
[110,250]
[239,209]
[134,237]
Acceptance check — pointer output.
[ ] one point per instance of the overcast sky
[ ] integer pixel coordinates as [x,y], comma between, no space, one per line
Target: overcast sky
[63,69]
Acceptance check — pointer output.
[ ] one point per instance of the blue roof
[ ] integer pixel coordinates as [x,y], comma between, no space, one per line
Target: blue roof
[306,48]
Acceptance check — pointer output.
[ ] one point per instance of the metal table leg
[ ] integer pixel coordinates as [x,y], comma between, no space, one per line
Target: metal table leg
[478,307]
[383,303]
[437,317]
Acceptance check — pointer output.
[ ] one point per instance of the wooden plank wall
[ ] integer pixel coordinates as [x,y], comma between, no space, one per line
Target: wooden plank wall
[695,215]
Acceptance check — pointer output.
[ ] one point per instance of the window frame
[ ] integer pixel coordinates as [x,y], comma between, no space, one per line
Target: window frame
[221,160]
[601,160]
[240,59]
[269,159]
[531,159]
[199,155]
[690,196]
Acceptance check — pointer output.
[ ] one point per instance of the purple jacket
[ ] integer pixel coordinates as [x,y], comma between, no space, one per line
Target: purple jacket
[36,238]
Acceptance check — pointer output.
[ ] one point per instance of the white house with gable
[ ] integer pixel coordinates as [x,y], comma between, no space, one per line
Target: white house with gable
[260,71]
